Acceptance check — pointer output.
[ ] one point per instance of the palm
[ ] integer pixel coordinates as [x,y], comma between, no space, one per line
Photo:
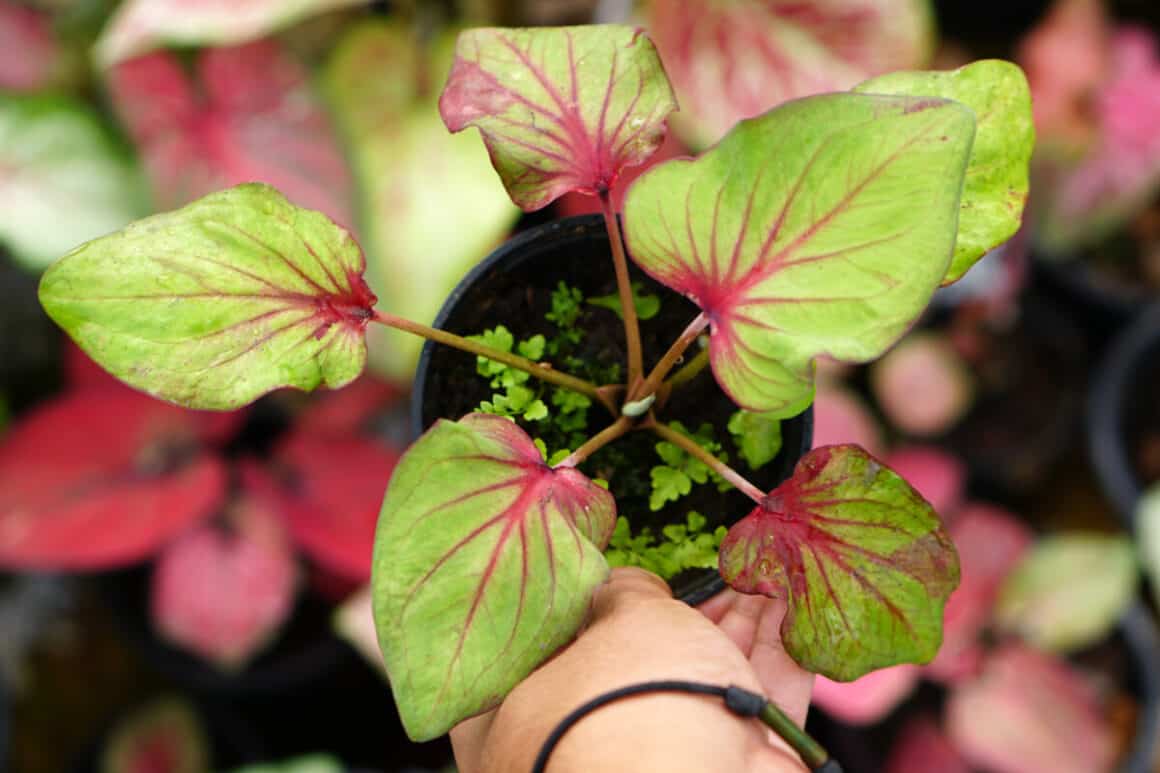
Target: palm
[752,623]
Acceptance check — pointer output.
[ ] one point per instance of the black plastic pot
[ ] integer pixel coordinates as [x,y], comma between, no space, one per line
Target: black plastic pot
[5,721]
[574,250]
[306,650]
[1101,305]
[1126,386]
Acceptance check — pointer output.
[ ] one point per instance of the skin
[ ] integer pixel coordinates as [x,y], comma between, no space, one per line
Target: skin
[637,632]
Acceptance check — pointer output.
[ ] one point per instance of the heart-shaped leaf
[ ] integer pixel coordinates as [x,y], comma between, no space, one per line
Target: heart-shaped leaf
[861,560]
[1030,712]
[485,560]
[1069,591]
[560,109]
[224,594]
[103,477]
[247,114]
[218,303]
[989,541]
[995,187]
[735,60]
[141,26]
[333,496]
[412,172]
[800,234]
[62,179]
[164,736]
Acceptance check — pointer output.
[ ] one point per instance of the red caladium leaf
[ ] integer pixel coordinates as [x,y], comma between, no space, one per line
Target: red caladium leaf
[866,700]
[485,560]
[735,60]
[560,109]
[990,541]
[103,477]
[250,115]
[223,593]
[922,747]
[165,736]
[332,500]
[29,56]
[861,560]
[140,26]
[1029,712]
[817,250]
[218,303]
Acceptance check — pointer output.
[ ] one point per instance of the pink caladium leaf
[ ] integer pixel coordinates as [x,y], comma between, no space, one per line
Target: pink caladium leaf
[841,416]
[923,385]
[1029,712]
[922,747]
[165,736]
[248,114]
[29,55]
[103,477]
[141,26]
[485,561]
[731,61]
[218,303]
[990,541]
[868,699]
[814,250]
[332,496]
[860,558]
[560,109]
[224,591]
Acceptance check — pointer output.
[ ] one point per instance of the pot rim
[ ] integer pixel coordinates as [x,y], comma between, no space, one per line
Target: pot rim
[1105,412]
[511,255]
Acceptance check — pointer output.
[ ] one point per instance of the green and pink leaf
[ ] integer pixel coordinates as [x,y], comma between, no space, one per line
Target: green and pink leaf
[818,251]
[218,303]
[485,561]
[859,557]
[560,109]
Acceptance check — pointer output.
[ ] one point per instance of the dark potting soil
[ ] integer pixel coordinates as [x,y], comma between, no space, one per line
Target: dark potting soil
[520,303]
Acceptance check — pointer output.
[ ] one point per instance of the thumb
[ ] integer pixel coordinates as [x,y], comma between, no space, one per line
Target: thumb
[626,587]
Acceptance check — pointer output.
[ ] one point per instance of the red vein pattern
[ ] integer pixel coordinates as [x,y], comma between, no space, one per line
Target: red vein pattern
[860,558]
[485,560]
[560,109]
[215,304]
[817,247]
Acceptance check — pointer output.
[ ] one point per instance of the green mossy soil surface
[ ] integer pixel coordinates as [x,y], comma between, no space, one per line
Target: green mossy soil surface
[521,302]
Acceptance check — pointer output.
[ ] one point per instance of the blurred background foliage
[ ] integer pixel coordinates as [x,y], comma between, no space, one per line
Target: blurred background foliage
[177,590]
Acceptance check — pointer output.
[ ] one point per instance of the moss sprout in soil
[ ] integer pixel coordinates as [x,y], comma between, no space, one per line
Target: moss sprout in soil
[523,304]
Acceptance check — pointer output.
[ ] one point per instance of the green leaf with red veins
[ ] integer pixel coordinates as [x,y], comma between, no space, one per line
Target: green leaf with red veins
[995,188]
[860,558]
[485,561]
[734,60]
[141,26]
[560,109]
[218,303]
[822,227]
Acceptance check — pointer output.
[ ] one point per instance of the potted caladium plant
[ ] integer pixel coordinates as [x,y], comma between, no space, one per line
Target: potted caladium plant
[819,228]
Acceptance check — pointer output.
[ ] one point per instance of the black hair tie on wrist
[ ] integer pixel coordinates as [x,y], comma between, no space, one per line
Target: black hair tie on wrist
[741,702]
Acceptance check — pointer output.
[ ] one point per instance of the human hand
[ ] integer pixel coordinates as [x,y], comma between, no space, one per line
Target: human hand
[637,633]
